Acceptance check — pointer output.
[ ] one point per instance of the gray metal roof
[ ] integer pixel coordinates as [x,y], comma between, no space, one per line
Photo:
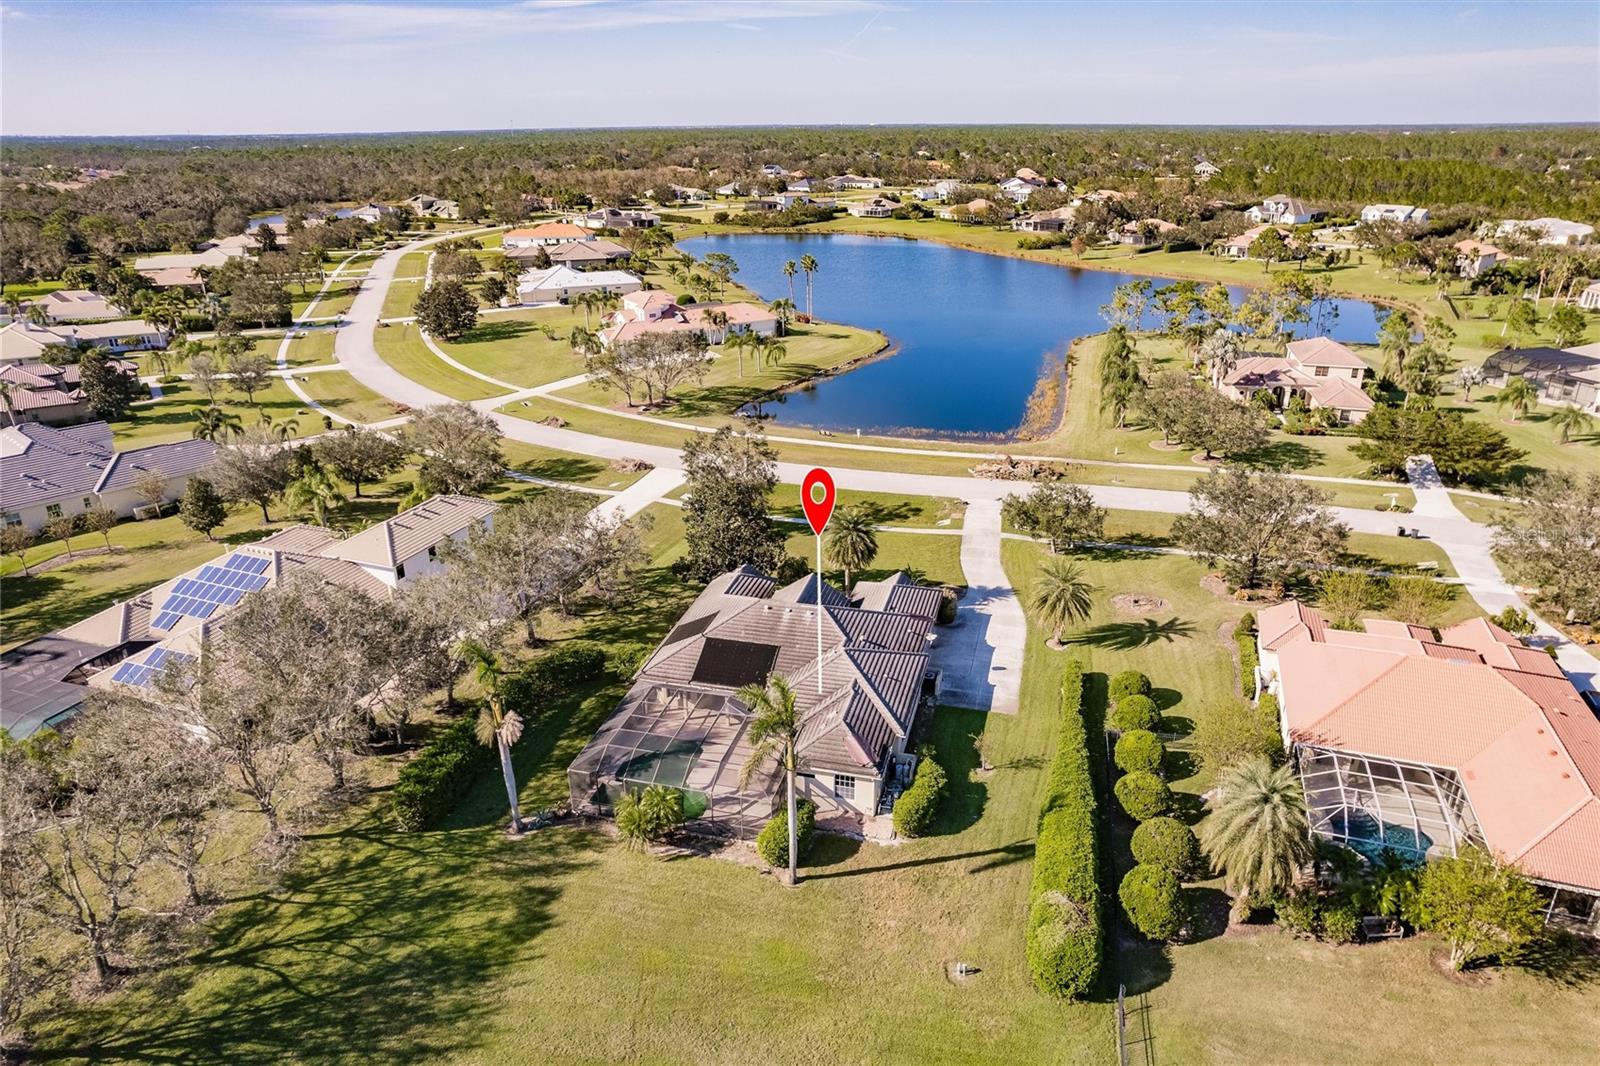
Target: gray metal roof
[40,464]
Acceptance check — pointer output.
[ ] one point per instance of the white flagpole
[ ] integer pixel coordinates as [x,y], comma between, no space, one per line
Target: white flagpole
[819,614]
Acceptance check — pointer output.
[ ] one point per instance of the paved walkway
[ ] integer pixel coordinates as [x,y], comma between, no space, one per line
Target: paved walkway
[1466,543]
[981,655]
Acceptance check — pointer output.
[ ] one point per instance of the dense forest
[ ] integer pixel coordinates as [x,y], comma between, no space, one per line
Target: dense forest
[172,192]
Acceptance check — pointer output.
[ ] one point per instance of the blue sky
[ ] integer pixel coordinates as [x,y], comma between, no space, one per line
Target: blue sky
[303,67]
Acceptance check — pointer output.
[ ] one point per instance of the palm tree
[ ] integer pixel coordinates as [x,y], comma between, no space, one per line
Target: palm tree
[739,343]
[37,315]
[1062,596]
[775,350]
[583,342]
[214,424]
[784,310]
[1570,420]
[316,490]
[7,387]
[1257,832]
[851,542]
[496,725]
[281,430]
[808,263]
[775,734]
[1519,394]
[790,269]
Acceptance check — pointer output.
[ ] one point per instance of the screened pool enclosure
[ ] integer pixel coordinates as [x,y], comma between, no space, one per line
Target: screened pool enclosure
[1373,805]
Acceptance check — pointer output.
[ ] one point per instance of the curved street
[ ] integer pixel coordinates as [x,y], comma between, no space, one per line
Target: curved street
[993,608]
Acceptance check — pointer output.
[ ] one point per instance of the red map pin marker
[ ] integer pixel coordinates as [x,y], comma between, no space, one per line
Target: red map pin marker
[816,497]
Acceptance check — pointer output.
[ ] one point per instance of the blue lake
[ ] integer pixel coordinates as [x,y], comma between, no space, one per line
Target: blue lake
[278,220]
[972,331]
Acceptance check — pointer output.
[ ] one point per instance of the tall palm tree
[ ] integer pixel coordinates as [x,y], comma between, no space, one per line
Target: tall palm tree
[1062,596]
[583,342]
[8,387]
[280,430]
[1570,420]
[214,424]
[37,315]
[851,542]
[1519,394]
[1257,832]
[775,734]
[790,269]
[775,350]
[316,490]
[784,310]
[740,343]
[496,724]
[808,263]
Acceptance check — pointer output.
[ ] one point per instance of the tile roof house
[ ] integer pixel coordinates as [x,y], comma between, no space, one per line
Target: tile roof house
[78,305]
[1557,231]
[1284,210]
[655,311]
[1402,213]
[1474,257]
[617,218]
[546,233]
[1425,745]
[558,283]
[427,206]
[877,207]
[43,392]
[588,252]
[1145,231]
[847,181]
[47,473]
[1045,221]
[1321,370]
[148,265]
[45,681]
[681,723]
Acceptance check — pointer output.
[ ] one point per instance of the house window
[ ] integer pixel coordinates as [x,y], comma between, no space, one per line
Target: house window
[433,551]
[399,570]
[844,786]
[13,518]
[88,503]
[1322,371]
[53,510]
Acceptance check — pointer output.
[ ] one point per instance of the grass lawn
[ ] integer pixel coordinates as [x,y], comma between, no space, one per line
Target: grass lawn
[264,345]
[172,417]
[343,394]
[885,509]
[401,297]
[565,466]
[32,290]
[336,301]
[412,265]
[513,346]
[812,350]
[932,559]
[401,346]
[312,347]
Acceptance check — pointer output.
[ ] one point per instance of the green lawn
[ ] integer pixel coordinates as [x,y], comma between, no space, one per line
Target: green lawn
[340,392]
[401,297]
[401,346]
[565,466]
[885,509]
[172,417]
[32,290]
[514,347]
[336,301]
[932,559]
[313,348]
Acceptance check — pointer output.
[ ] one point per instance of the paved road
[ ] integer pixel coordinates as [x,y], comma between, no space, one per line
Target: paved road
[1465,542]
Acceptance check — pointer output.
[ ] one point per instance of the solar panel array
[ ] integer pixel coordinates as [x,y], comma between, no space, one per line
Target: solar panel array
[214,586]
[144,673]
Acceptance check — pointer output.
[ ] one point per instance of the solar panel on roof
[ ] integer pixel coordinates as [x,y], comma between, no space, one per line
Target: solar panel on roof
[166,620]
[734,663]
[689,629]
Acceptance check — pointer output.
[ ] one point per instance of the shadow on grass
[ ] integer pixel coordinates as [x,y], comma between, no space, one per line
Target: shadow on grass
[1284,455]
[1130,636]
[1208,913]
[992,858]
[1563,958]
[955,740]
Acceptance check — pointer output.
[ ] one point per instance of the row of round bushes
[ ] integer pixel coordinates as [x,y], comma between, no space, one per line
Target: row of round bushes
[1065,938]
[430,785]
[1166,851]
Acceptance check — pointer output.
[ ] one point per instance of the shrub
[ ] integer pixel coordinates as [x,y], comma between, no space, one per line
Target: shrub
[624,659]
[1513,620]
[1143,795]
[1244,634]
[1237,729]
[1169,844]
[772,843]
[1129,683]
[1153,901]
[430,784]
[646,817]
[1140,749]
[1340,922]
[949,596]
[1135,712]
[1064,934]
[1296,912]
[791,569]
[553,675]
[917,806]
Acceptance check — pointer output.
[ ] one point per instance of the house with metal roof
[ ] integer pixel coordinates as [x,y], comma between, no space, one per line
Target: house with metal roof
[1424,745]
[48,472]
[683,725]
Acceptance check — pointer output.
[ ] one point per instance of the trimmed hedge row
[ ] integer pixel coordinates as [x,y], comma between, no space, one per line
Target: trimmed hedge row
[914,811]
[431,784]
[1244,634]
[1065,938]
